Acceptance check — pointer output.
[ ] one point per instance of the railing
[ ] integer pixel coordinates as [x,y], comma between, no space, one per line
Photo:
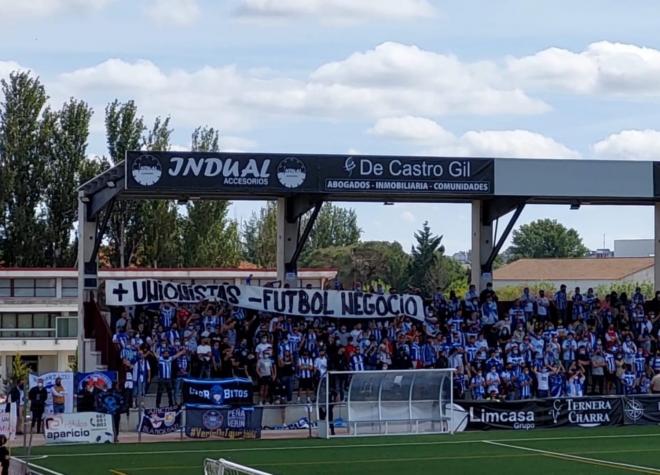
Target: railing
[65,327]
[97,328]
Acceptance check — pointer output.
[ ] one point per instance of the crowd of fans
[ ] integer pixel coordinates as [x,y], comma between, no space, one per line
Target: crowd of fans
[539,346]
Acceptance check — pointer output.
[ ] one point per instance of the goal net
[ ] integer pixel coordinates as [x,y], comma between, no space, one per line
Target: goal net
[225,467]
[388,402]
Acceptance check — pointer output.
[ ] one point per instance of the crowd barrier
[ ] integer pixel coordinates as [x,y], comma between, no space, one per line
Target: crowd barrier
[592,411]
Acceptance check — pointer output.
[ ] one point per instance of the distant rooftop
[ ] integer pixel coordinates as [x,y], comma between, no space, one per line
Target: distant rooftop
[615,268]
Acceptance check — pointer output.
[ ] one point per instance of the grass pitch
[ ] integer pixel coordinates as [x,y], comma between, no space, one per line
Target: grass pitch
[542,452]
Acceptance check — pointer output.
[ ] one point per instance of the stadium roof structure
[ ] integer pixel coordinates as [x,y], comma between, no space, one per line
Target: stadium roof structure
[301,183]
[571,269]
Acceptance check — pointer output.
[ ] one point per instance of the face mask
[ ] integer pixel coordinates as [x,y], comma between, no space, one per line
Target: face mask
[41,385]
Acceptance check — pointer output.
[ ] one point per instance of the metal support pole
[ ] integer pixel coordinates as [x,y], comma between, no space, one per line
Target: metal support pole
[488,266]
[327,404]
[140,415]
[184,416]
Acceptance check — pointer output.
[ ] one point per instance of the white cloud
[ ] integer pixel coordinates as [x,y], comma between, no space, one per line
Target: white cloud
[487,143]
[419,129]
[179,148]
[173,12]
[11,9]
[7,67]
[229,143]
[337,10]
[408,216]
[389,80]
[514,144]
[630,145]
[602,68]
[394,79]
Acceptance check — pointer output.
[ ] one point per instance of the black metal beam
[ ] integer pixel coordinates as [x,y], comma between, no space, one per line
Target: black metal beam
[488,266]
[302,239]
[296,207]
[497,207]
[100,199]
[100,230]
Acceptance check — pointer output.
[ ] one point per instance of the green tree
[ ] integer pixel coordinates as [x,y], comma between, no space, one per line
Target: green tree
[424,259]
[367,262]
[65,153]
[123,133]
[546,238]
[160,244]
[209,237]
[19,369]
[447,274]
[91,167]
[22,170]
[260,236]
[334,227]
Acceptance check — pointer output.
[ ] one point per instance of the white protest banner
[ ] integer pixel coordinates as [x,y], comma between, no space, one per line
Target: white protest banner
[299,302]
[8,424]
[79,427]
[49,382]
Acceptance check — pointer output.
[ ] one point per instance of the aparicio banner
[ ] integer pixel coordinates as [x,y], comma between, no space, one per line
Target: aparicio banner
[236,423]
[162,420]
[67,378]
[275,174]
[538,413]
[79,427]
[218,392]
[641,409]
[300,302]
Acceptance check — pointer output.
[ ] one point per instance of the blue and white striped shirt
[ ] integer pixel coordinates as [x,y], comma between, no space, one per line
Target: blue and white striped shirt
[165,367]
[305,367]
[640,364]
[167,315]
[357,362]
[628,380]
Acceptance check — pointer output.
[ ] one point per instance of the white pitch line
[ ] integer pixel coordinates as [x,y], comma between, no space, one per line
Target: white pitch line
[346,446]
[578,458]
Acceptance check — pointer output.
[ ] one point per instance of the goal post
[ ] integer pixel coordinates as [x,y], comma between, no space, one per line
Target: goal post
[367,403]
[225,467]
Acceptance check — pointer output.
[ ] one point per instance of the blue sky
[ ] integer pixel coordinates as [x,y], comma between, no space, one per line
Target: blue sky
[515,78]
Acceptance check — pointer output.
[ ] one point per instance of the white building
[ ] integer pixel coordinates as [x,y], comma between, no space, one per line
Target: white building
[634,248]
[39,307]
[583,273]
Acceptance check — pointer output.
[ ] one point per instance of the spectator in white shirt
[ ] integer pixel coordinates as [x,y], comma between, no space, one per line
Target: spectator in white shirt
[204,355]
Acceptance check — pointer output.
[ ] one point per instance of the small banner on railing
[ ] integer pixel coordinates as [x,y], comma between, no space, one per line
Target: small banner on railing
[159,421]
[218,392]
[641,410]
[8,423]
[538,413]
[66,378]
[92,383]
[235,423]
[79,427]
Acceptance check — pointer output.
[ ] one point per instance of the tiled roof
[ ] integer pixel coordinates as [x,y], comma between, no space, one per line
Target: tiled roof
[614,268]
